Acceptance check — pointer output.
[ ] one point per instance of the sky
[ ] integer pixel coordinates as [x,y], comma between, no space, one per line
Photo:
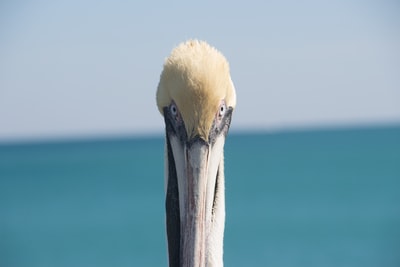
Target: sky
[76,68]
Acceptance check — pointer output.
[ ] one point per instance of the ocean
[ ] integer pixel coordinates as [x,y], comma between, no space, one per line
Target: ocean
[300,198]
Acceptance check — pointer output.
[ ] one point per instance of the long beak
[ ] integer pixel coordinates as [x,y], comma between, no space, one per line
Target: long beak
[197,164]
[194,209]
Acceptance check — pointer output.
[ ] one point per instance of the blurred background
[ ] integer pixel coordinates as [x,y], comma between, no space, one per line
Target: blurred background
[312,159]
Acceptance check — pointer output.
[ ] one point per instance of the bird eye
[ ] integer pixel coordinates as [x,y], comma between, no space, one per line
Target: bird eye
[222,110]
[173,109]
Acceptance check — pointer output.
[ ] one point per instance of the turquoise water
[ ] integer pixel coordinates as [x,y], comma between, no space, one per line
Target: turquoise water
[313,198]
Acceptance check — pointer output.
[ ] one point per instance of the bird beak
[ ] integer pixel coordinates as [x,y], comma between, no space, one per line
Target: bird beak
[197,167]
[195,210]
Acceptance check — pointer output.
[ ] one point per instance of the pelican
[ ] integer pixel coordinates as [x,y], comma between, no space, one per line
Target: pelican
[196,97]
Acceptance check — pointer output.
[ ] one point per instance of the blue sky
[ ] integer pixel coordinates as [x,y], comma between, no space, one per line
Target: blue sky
[91,68]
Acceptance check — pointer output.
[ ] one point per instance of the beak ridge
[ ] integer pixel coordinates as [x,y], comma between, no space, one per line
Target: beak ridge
[194,226]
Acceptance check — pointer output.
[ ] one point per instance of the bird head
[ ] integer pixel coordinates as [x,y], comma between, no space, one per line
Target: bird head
[196,96]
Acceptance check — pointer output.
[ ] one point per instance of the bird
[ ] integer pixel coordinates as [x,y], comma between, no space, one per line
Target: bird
[196,97]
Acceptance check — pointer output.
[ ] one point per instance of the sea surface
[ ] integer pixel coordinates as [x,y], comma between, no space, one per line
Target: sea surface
[305,198]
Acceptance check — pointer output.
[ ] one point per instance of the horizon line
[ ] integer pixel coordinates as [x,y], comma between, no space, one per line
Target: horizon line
[99,137]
